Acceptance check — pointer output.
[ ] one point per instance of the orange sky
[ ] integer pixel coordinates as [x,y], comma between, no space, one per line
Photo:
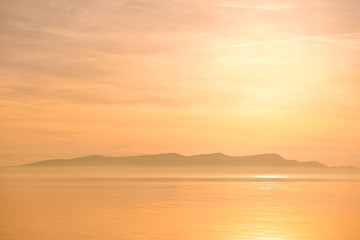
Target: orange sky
[118,78]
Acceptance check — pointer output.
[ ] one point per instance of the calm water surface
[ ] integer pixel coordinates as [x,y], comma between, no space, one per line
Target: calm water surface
[39,208]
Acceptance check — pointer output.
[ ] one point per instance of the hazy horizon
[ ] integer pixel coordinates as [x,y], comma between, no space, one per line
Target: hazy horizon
[170,156]
[217,155]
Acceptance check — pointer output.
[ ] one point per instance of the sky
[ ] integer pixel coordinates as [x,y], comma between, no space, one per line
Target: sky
[241,77]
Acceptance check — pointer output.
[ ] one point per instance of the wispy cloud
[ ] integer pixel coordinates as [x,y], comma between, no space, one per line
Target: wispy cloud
[255,6]
[286,40]
[95,94]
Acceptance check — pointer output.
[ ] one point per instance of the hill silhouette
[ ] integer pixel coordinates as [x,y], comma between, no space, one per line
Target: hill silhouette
[175,160]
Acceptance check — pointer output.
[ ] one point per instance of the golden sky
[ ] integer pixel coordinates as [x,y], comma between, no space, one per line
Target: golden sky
[116,77]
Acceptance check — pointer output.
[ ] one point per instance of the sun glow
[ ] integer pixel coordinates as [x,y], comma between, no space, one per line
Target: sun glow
[272,100]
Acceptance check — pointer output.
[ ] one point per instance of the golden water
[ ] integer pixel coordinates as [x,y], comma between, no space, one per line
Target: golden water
[264,208]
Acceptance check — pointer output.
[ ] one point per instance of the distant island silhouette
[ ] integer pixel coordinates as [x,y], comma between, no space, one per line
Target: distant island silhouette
[204,161]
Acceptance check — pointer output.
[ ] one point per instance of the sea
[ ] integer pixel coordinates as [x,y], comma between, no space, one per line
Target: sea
[264,207]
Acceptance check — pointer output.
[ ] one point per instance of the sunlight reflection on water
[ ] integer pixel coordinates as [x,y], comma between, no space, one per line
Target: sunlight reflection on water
[272,207]
[271,176]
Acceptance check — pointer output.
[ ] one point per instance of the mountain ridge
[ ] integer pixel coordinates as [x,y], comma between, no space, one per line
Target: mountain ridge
[177,160]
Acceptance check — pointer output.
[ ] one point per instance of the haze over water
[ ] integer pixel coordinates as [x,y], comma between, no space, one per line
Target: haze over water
[63,207]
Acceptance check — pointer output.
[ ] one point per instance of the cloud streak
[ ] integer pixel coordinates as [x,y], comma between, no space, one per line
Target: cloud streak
[252,6]
[288,40]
